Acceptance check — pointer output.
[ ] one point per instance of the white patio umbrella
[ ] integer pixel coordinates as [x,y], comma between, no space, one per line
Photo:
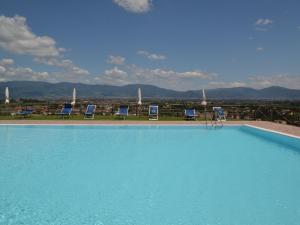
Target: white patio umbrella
[139,97]
[74,97]
[6,95]
[204,102]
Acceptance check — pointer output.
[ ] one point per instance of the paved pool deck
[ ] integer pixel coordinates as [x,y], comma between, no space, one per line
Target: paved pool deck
[276,127]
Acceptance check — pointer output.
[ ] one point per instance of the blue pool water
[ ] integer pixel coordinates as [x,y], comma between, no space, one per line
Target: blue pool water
[147,175]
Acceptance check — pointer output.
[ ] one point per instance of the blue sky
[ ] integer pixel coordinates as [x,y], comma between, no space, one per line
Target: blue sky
[175,44]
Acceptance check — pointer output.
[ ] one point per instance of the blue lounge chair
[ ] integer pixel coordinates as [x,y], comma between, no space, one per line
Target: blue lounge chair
[26,111]
[123,111]
[219,114]
[190,114]
[90,112]
[153,112]
[66,110]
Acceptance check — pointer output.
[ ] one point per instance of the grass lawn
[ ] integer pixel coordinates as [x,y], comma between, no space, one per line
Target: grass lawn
[81,117]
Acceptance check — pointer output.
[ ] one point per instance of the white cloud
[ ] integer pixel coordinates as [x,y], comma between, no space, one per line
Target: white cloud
[151,56]
[8,71]
[260,81]
[283,80]
[16,37]
[133,74]
[263,22]
[116,60]
[197,74]
[136,6]
[21,73]
[116,72]
[169,78]
[259,49]
[6,62]
[114,76]
[63,63]
[66,64]
[79,71]
[2,69]
[223,84]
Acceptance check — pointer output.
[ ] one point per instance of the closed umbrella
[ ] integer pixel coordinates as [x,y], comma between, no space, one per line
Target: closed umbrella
[139,97]
[204,103]
[74,97]
[6,95]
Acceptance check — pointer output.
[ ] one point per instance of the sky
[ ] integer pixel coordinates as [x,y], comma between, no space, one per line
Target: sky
[175,44]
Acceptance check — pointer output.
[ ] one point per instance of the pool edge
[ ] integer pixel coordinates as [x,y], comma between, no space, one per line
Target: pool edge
[272,131]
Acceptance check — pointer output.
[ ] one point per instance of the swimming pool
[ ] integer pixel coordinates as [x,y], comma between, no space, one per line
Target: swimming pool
[148,175]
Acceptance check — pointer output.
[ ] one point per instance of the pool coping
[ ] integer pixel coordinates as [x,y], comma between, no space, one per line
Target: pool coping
[286,130]
[273,131]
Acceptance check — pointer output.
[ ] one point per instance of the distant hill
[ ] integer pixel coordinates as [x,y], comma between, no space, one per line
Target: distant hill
[44,90]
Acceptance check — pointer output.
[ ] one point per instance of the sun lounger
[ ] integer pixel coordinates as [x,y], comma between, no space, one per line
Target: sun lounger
[123,111]
[219,114]
[153,112]
[190,114]
[66,110]
[26,111]
[90,112]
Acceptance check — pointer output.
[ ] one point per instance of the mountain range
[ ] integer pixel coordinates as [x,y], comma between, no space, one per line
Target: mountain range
[44,90]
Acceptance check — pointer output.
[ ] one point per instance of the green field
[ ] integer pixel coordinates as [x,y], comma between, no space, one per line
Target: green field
[97,117]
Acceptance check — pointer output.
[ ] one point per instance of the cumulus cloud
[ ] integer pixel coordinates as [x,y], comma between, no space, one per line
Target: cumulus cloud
[171,74]
[4,62]
[172,79]
[223,84]
[151,56]
[136,6]
[66,64]
[2,69]
[116,72]
[16,37]
[8,72]
[283,80]
[116,60]
[114,76]
[263,22]
[133,74]
[79,71]
[259,49]
[260,81]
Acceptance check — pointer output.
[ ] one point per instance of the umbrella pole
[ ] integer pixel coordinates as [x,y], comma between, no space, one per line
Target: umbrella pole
[205,115]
